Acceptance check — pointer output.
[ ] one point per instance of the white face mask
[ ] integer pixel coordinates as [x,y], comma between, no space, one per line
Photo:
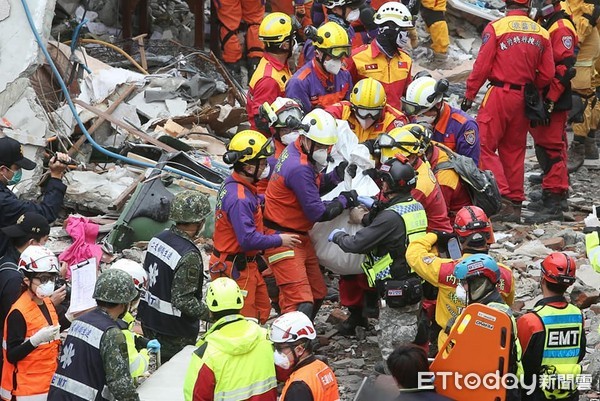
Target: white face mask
[365,123]
[281,360]
[320,157]
[332,66]
[289,138]
[402,40]
[353,15]
[265,173]
[461,294]
[425,119]
[45,290]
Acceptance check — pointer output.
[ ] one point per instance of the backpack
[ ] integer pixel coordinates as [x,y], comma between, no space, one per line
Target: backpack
[481,184]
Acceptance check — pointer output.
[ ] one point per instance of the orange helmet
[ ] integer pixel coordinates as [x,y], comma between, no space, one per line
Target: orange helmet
[559,268]
[473,226]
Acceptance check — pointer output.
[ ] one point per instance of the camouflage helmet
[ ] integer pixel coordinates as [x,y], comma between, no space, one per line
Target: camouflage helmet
[115,286]
[189,207]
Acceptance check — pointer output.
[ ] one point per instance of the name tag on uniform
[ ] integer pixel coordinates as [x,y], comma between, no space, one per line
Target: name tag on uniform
[371,67]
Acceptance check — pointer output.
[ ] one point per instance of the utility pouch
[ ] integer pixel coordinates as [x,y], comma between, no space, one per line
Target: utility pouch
[240,262]
[405,292]
[534,104]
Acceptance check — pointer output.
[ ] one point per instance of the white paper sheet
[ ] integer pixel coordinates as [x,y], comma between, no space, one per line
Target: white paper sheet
[83,281]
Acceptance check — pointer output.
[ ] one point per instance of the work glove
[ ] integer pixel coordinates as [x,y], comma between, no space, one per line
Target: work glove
[44,335]
[153,346]
[343,168]
[548,107]
[334,232]
[351,198]
[370,144]
[367,201]
[466,104]
[372,172]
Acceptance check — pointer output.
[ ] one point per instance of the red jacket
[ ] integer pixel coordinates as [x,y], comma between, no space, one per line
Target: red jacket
[429,194]
[564,42]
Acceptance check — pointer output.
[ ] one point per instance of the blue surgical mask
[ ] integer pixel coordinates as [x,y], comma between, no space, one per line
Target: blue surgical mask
[16,178]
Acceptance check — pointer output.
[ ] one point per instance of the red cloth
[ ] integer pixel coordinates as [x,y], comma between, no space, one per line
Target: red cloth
[352,289]
[84,234]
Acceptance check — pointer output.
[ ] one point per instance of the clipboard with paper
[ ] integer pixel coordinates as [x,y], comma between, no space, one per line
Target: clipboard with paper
[83,281]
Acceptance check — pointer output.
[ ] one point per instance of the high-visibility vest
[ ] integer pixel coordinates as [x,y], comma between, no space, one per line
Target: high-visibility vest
[31,376]
[415,223]
[251,374]
[319,378]
[518,352]
[563,329]
[138,360]
[592,246]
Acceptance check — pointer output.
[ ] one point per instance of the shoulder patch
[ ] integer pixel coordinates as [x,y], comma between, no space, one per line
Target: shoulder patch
[567,42]
[485,38]
[428,259]
[398,123]
[470,136]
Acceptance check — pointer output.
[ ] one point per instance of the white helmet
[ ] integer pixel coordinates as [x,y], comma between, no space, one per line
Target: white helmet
[421,96]
[291,327]
[320,126]
[283,108]
[135,270]
[396,12]
[38,259]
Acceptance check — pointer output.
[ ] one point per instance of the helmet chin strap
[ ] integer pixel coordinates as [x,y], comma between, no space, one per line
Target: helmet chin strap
[253,176]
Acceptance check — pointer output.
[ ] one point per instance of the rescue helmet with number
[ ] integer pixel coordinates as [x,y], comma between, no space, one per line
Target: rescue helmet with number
[368,94]
[189,206]
[115,286]
[38,259]
[341,3]
[248,145]
[398,141]
[291,327]
[473,227]
[559,268]
[319,126]
[332,39]
[275,28]
[222,294]
[398,174]
[135,270]
[422,95]
[477,265]
[396,13]
[287,113]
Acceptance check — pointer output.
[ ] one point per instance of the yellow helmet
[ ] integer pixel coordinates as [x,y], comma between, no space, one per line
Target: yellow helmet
[333,40]
[224,294]
[248,145]
[275,28]
[320,127]
[369,94]
[421,132]
[399,141]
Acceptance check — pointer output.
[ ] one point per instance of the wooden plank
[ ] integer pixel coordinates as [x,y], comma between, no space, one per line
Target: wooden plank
[125,126]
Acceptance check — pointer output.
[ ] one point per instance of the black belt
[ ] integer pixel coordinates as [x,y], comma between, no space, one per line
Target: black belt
[503,84]
[232,256]
[274,226]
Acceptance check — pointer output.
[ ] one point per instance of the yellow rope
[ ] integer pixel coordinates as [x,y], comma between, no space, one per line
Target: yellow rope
[115,48]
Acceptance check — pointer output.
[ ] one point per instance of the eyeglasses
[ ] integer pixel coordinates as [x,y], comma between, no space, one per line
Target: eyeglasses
[282,347]
[413,109]
[45,277]
[368,113]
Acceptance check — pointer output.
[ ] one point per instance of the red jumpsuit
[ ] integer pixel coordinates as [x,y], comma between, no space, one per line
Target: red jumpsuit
[514,51]
[551,141]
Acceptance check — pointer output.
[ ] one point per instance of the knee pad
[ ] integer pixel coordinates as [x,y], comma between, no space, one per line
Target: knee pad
[432,16]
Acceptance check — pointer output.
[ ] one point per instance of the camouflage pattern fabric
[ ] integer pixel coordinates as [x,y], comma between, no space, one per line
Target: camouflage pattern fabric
[113,348]
[169,345]
[115,286]
[189,207]
[397,326]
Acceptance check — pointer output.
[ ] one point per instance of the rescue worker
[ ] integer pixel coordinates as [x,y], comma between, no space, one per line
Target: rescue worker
[310,379]
[475,234]
[552,335]
[293,205]
[427,192]
[384,59]
[93,364]
[31,330]
[271,75]
[236,18]
[171,309]
[585,83]
[424,102]
[390,227]
[433,13]
[592,247]
[238,238]
[551,139]
[367,112]
[12,162]
[138,346]
[234,359]
[479,275]
[323,80]
[515,51]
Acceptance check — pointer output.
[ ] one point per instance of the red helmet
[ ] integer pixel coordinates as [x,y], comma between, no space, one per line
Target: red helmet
[524,3]
[471,220]
[559,268]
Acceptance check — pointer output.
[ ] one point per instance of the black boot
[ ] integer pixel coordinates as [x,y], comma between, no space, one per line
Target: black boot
[551,211]
[372,304]
[510,212]
[356,318]
[537,202]
[591,149]
[576,154]
[535,179]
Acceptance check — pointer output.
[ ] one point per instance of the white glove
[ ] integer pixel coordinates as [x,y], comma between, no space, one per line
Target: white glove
[44,335]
